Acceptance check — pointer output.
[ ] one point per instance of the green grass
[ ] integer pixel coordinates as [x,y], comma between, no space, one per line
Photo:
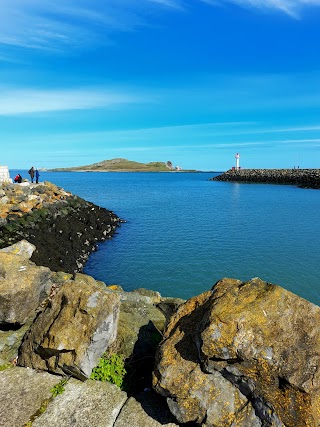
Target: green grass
[121,165]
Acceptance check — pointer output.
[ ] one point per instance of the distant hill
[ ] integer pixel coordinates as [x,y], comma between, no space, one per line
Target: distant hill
[122,165]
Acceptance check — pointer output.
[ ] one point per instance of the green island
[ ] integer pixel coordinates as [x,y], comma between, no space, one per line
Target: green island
[123,165]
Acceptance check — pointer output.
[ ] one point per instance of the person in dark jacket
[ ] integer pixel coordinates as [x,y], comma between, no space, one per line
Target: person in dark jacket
[31,173]
[37,176]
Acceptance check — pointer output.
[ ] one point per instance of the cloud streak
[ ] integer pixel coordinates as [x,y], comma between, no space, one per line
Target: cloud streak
[30,101]
[290,7]
[63,25]
[67,24]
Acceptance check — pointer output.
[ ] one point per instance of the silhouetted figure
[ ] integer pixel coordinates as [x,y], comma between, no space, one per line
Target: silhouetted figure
[37,176]
[31,173]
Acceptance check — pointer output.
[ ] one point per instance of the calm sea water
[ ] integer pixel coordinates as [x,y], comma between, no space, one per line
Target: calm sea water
[184,232]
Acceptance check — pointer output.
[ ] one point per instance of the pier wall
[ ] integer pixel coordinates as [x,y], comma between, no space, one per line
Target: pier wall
[307,178]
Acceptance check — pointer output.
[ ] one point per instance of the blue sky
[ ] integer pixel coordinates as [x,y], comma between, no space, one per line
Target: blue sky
[191,81]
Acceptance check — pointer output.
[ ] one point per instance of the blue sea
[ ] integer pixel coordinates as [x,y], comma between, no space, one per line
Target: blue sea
[183,232]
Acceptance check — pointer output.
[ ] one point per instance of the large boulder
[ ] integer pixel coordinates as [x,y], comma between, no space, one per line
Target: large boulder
[72,332]
[23,286]
[242,354]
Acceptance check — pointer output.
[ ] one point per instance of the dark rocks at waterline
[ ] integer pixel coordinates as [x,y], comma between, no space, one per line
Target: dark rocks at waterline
[64,228]
[71,234]
[306,178]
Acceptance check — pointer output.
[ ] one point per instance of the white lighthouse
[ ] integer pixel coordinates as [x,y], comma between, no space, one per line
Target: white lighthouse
[237,156]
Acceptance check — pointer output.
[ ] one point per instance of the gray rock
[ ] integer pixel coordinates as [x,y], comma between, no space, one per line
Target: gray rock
[139,323]
[154,296]
[4,200]
[10,342]
[22,248]
[73,330]
[133,415]
[22,392]
[23,286]
[88,404]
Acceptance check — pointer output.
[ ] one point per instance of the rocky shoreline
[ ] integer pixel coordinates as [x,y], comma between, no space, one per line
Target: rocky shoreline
[242,354]
[305,178]
[64,228]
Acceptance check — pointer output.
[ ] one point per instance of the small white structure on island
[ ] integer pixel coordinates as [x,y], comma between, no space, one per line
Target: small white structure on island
[237,156]
[4,174]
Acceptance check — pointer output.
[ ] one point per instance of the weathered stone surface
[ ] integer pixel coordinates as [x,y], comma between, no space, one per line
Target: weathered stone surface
[73,330]
[169,305]
[140,329]
[25,396]
[137,324]
[22,392]
[153,296]
[139,320]
[244,354]
[87,404]
[23,286]
[22,248]
[10,341]
[133,414]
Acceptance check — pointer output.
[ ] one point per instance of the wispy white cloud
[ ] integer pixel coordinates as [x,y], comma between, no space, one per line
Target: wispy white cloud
[290,7]
[28,101]
[175,4]
[62,24]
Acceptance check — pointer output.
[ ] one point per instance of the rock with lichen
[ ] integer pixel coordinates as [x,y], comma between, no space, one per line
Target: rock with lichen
[73,330]
[23,286]
[242,354]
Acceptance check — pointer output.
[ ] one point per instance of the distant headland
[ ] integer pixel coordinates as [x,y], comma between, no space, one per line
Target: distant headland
[124,165]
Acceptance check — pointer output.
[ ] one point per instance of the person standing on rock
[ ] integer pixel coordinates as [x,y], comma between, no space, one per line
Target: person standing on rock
[31,173]
[37,176]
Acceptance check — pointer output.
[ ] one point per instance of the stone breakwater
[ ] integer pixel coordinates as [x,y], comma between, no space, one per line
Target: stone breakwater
[64,228]
[240,354]
[306,178]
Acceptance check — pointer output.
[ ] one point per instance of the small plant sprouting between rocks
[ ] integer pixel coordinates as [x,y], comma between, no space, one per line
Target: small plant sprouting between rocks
[59,388]
[110,368]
